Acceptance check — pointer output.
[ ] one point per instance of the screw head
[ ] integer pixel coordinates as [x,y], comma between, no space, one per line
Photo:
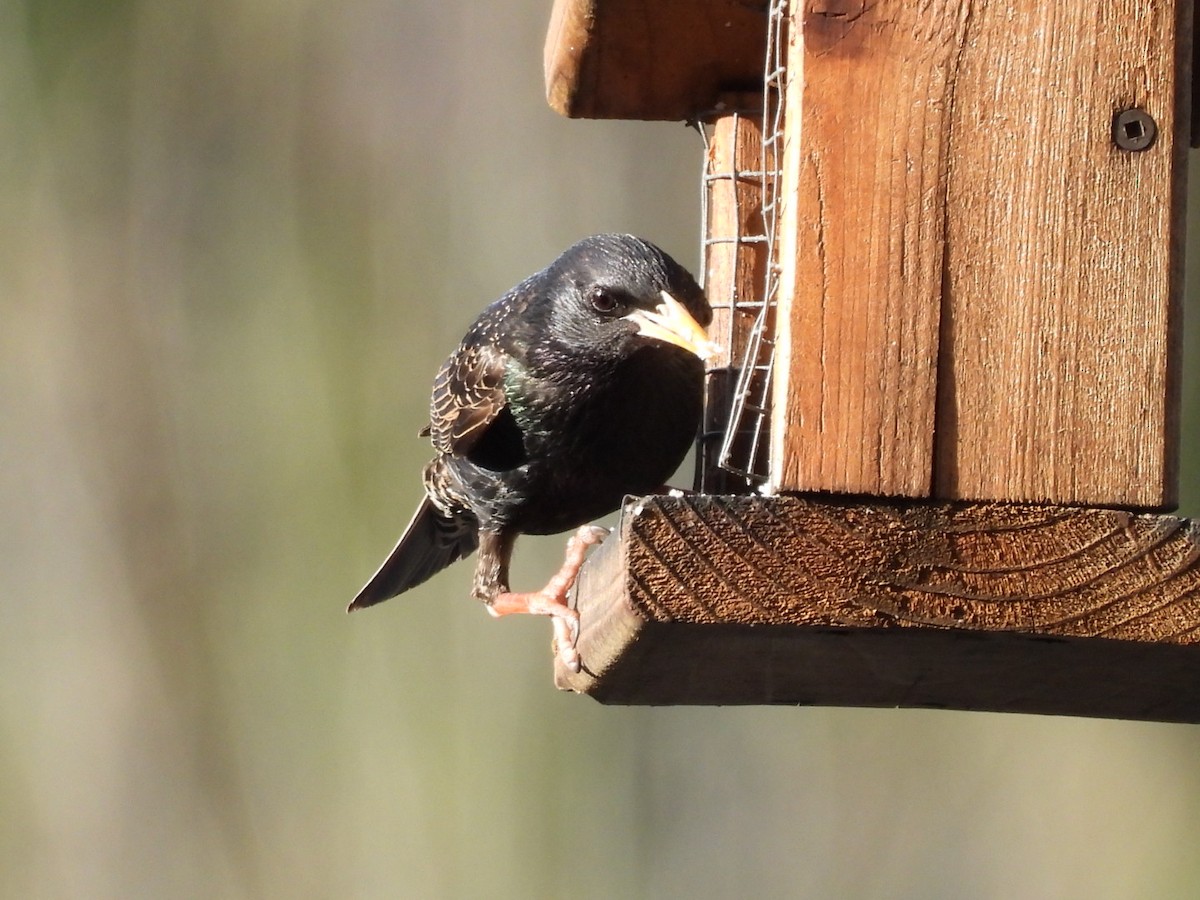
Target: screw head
[1134,130]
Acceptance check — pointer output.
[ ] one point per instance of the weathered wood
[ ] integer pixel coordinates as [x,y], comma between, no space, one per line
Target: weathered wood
[861,232]
[735,252]
[1066,386]
[1017,608]
[951,171]
[735,266]
[651,59]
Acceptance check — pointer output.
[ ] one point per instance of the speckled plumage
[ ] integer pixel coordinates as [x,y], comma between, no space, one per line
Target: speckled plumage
[551,409]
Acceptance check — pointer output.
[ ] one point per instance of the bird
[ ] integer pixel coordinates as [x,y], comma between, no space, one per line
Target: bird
[581,385]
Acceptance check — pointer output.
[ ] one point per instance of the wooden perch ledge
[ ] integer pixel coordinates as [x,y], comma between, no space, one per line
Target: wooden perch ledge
[822,601]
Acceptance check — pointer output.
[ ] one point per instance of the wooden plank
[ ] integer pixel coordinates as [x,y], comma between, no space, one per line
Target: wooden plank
[1064,275]
[651,59]
[735,267]
[861,238]
[952,166]
[735,251]
[789,600]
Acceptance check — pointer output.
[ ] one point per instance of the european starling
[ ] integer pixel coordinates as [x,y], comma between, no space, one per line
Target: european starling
[580,385]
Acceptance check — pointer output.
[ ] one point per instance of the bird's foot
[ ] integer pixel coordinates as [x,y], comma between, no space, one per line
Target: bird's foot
[577,546]
[552,599]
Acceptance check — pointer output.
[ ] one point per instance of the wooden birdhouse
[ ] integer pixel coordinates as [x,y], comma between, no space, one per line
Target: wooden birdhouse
[944,245]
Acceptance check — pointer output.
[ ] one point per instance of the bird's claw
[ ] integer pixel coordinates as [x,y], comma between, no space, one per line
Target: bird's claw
[566,639]
[592,534]
[552,599]
[542,603]
[566,626]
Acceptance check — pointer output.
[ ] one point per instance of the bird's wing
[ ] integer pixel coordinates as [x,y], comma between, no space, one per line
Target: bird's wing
[431,542]
[468,395]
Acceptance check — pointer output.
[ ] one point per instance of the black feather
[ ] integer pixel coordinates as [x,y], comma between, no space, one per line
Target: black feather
[429,544]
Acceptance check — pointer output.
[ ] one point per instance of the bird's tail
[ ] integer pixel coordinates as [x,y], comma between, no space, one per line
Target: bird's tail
[431,542]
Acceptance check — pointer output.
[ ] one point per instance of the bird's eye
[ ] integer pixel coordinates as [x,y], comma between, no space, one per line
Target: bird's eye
[604,301]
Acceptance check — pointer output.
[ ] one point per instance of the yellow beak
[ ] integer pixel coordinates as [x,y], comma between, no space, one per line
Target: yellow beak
[671,322]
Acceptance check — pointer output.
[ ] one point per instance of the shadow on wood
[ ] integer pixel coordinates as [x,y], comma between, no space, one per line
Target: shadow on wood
[662,59]
[985,606]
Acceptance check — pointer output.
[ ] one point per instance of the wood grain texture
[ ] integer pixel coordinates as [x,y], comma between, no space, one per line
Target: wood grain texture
[861,234]
[735,254]
[735,268]
[789,600]
[1063,270]
[651,59]
[980,291]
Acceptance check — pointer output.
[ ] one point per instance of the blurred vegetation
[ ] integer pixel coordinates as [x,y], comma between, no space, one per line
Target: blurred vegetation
[238,239]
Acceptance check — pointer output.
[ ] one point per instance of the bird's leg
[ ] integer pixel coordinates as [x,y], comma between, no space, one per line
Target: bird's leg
[552,599]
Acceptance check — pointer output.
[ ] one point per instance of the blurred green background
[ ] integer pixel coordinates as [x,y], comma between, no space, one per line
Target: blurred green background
[238,238]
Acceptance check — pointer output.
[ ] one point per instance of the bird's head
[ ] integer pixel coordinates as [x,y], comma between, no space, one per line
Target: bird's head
[614,294]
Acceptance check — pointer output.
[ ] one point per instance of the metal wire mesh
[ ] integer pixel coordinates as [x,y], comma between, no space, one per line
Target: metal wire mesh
[739,396]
